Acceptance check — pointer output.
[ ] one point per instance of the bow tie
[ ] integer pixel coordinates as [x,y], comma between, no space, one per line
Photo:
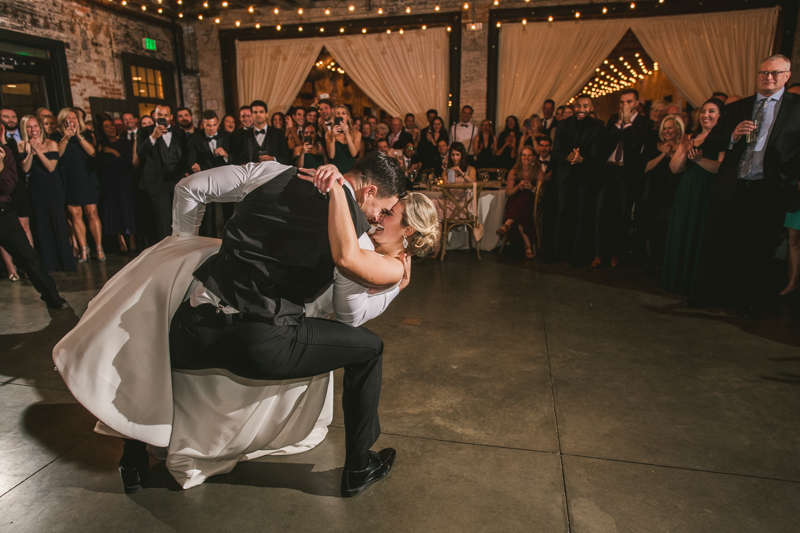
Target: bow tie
[260,132]
[464,125]
[214,138]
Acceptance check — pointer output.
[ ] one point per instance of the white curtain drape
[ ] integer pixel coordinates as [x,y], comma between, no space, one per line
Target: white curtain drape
[699,53]
[710,52]
[545,60]
[274,71]
[405,73]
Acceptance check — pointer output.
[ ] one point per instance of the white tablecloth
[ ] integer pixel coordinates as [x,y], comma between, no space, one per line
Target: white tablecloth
[491,206]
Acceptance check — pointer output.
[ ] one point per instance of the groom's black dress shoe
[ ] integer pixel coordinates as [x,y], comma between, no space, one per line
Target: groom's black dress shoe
[380,463]
[133,469]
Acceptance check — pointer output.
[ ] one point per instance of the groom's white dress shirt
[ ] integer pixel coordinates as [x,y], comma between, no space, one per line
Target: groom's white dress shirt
[351,301]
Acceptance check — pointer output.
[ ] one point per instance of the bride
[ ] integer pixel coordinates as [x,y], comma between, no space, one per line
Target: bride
[205,421]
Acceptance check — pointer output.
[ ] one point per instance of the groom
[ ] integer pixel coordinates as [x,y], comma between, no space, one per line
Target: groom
[246,312]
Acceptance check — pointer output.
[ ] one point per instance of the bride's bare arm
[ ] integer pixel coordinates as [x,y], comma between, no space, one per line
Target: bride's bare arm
[362,266]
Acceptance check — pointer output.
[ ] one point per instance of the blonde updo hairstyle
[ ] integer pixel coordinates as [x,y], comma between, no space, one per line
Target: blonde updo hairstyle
[420,215]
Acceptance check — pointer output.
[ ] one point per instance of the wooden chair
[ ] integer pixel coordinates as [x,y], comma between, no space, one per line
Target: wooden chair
[460,215]
[496,173]
[538,216]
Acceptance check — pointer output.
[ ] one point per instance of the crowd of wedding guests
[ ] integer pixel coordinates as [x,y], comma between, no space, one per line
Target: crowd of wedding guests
[643,188]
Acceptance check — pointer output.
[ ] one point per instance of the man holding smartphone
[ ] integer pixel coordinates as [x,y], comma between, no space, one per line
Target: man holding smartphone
[163,160]
[262,143]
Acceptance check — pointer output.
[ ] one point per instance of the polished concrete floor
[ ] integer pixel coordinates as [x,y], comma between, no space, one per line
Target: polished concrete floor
[530,398]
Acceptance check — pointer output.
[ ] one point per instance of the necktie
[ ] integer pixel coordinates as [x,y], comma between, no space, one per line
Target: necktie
[618,153]
[130,135]
[747,160]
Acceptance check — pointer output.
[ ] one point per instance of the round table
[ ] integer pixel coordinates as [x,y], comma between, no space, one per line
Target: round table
[491,206]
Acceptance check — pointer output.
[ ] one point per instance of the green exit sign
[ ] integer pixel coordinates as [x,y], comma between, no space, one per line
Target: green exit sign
[149,44]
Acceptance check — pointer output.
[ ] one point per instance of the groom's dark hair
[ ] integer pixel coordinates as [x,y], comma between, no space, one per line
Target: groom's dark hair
[377,168]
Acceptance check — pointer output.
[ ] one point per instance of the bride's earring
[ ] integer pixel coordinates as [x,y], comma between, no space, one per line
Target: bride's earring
[405,242]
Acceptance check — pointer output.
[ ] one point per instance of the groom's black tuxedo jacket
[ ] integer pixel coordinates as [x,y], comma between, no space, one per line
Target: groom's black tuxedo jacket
[275,251]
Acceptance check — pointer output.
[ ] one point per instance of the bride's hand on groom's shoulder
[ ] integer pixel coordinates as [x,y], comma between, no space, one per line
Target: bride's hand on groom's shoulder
[406,279]
[323,178]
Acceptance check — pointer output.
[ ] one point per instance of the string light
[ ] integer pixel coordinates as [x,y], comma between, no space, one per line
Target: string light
[180,2]
[160,10]
[449,28]
[401,31]
[388,31]
[380,11]
[341,30]
[497,2]
[298,29]
[550,19]
[424,27]
[199,17]
[322,30]
[408,10]
[605,10]
[363,30]
[327,11]
[205,4]
[251,9]
[300,11]
[498,24]
[466,5]
[144,8]
[216,20]
[238,23]
[524,22]
[351,8]
[633,5]
[577,14]
[436,8]
[224,4]
[258,25]
[180,15]
[276,10]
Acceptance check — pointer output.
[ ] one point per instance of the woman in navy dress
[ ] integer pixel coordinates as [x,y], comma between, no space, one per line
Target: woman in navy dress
[77,147]
[117,160]
[46,190]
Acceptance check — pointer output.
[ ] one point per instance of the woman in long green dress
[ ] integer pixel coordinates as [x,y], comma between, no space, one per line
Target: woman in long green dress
[698,158]
[343,141]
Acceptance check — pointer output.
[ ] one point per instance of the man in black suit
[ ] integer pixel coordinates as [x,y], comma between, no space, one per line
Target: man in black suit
[162,151]
[550,201]
[398,137]
[209,149]
[262,143]
[753,183]
[246,314]
[548,120]
[620,178]
[576,156]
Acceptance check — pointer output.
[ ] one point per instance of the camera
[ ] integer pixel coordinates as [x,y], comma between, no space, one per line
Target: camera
[308,139]
[161,122]
[526,123]
[338,121]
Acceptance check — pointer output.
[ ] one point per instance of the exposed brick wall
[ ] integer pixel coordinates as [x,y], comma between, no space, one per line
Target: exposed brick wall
[94,38]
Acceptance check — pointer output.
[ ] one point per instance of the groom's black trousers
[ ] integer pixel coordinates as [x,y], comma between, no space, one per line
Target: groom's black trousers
[201,338]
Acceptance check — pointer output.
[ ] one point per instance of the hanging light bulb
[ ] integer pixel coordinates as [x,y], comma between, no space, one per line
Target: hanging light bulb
[389,31]
[144,8]
[298,29]
[238,23]
[300,11]
[224,4]
[380,11]
[216,20]
[408,10]
[633,5]
[258,25]
[436,8]
[327,11]
[276,10]
[322,30]
[498,24]
[401,31]
[205,4]
[466,5]
[251,9]
[160,10]
[524,22]
[424,27]
[363,30]
[496,2]
[577,14]
[605,10]
[199,17]
[341,30]
[351,8]
[550,18]
[180,15]
[449,28]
